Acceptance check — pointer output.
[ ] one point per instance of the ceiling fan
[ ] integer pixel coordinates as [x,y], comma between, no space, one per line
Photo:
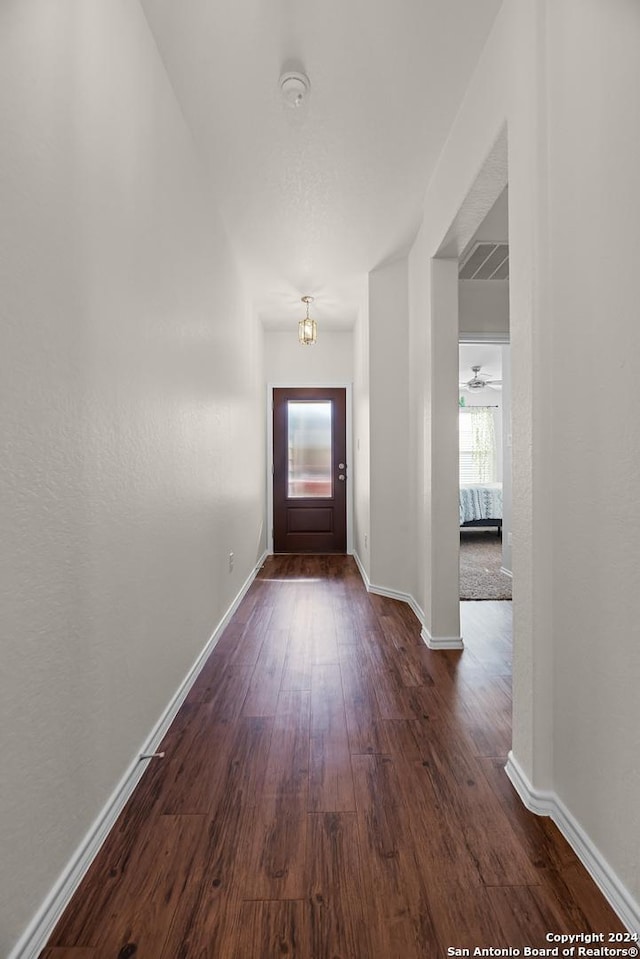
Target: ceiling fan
[478,382]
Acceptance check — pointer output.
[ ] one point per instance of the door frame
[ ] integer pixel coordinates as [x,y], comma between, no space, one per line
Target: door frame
[501,339]
[287,385]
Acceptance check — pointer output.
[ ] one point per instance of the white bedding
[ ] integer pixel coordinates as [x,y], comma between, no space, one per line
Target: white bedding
[480,502]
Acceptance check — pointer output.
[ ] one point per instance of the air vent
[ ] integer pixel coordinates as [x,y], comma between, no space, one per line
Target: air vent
[486,261]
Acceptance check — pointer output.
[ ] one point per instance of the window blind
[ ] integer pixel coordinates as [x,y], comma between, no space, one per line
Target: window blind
[477,446]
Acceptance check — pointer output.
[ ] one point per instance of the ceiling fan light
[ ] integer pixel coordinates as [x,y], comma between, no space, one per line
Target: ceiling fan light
[478,383]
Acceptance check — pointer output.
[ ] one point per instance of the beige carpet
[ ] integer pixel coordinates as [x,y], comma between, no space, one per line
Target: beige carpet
[480,562]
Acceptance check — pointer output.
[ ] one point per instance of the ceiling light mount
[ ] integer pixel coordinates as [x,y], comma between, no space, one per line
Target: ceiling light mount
[307,328]
[294,87]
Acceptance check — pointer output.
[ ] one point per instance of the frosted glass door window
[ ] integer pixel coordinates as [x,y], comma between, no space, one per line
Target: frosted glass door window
[309,450]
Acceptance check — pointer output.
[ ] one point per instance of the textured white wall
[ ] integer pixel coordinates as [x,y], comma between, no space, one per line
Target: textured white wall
[484,306]
[131,419]
[329,361]
[563,74]
[361,425]
[508,87]
[391,541]
[433,352]
[507,467]
[442,614]
[594,84]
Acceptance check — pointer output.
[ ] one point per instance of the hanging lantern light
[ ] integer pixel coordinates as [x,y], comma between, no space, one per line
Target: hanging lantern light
[307,328]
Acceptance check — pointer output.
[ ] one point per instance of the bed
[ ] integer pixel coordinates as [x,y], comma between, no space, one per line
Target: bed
[481,505]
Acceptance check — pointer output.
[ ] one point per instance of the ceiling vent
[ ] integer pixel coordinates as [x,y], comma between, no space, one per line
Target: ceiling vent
[486,261]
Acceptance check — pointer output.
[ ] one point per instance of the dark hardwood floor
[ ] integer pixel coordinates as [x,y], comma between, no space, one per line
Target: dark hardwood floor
[332,789]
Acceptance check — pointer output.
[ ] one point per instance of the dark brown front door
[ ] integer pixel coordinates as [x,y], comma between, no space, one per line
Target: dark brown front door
[309,471]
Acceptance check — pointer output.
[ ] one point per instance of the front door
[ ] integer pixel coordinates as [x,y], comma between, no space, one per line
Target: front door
[309,471]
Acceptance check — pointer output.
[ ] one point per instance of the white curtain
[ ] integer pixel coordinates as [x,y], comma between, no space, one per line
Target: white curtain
[477,445]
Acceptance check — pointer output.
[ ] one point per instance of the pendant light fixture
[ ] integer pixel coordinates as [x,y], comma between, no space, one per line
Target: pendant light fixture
[307,328]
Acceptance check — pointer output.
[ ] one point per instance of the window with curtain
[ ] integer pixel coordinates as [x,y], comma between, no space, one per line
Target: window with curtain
[477,445]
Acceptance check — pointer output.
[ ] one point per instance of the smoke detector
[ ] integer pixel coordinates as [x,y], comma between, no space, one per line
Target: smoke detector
[294,87]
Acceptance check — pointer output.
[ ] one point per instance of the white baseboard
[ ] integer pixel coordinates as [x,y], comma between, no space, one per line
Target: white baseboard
[362,570]
[545,803]
[538,801]
[441,642]
[433,642]
[390,593]
[35,936]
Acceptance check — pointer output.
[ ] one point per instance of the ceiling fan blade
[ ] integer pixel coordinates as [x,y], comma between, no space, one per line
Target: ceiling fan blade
[497,385]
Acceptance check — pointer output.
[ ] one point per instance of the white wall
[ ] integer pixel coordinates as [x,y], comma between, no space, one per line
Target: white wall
[594,193]
[361,420]
[433,351]
[391,532]
[329,361]
[507,461]
[130,368]
[484,306]
[565,77]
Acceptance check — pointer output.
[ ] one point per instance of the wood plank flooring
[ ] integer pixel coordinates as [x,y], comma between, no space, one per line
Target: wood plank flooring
[332,789]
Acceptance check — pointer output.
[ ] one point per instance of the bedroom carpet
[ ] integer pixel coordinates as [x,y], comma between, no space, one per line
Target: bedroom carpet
[480,562]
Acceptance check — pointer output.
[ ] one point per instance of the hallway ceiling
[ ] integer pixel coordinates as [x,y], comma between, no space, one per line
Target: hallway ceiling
[315,198]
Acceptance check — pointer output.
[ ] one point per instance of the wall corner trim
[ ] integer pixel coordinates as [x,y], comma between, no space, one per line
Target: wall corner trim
[441,642]
[35,936]
[545,803]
